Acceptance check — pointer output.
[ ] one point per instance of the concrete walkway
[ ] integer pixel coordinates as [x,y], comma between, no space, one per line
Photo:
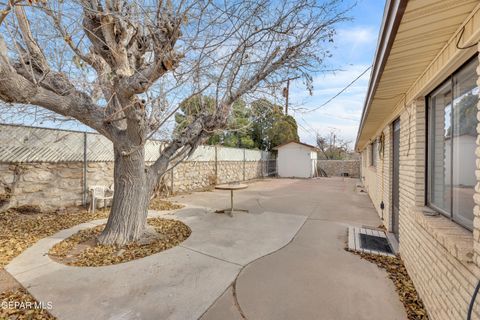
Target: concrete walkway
[313,277]
[283,260]
[179,283]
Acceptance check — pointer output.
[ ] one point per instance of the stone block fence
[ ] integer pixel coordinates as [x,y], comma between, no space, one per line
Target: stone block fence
[53,169]
[338,168]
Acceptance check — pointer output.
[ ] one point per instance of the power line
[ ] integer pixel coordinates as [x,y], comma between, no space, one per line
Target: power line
[308,132]
[325,103]
[333,116]
[311,131]
[340,92]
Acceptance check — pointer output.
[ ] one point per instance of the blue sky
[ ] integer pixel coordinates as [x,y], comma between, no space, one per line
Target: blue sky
[355,43]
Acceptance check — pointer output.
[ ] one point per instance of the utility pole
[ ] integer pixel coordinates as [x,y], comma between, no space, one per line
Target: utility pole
[334,147]
[286,92]
[286,98]
[330,142]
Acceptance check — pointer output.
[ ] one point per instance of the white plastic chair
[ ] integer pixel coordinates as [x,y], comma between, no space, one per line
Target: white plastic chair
[99,193]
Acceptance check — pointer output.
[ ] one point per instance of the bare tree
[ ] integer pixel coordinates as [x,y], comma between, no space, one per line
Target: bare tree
[122,67]
[333,147]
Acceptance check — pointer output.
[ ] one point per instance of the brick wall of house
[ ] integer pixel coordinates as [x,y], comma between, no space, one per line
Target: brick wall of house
[369,175]
[386,177]
[438,254]
[377,180]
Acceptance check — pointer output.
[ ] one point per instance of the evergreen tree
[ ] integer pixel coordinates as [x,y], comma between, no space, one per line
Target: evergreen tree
[260,125]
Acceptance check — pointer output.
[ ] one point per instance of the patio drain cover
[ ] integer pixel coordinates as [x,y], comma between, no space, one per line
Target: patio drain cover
[375,243]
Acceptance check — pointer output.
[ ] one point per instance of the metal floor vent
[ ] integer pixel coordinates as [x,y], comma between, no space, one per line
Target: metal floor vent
[369,241]
[374,243]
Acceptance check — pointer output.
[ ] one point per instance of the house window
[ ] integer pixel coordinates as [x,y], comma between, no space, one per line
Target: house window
[373,154]
[452,119]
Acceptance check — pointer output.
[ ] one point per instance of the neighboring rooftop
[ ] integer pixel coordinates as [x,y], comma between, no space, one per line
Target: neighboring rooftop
[300,143]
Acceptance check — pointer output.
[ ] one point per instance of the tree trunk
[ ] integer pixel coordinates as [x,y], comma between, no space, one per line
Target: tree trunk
[128,215]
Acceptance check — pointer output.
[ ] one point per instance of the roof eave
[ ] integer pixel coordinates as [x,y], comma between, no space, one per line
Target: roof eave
[393,13]
[297,142]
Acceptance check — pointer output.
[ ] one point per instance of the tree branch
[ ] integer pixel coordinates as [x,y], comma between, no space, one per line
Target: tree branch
[34,50]
[15,88]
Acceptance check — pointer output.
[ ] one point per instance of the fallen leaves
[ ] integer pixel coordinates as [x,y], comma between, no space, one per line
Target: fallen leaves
[403,284]
[159,204]
[172,232]
[18,304]
[20,229]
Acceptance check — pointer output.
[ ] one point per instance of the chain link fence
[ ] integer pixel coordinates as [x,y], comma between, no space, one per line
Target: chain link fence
[21,144]
[34,145]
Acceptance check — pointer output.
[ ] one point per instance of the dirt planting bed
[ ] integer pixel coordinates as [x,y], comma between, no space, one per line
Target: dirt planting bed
[20,228]
[82,250]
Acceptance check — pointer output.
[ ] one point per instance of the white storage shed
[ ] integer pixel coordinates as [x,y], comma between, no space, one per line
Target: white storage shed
[296,160]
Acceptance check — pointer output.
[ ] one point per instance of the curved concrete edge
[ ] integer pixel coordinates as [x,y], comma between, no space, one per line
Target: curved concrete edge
[23,263]
[36,257]
[329,277]
[234,310]
[243,238]
[179,283]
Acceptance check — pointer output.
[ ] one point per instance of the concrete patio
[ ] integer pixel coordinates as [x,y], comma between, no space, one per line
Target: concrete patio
[313,277]
[283,260]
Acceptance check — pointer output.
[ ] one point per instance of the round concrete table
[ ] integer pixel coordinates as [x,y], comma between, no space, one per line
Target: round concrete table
[231,187]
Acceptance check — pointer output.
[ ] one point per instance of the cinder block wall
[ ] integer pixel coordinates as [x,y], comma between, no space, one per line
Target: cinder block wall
[335,168]
[190,176]
[57,185]
[441,257]
[51,185]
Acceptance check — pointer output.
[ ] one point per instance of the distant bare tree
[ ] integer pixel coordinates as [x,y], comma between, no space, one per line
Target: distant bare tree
[333,147]
[122,67]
